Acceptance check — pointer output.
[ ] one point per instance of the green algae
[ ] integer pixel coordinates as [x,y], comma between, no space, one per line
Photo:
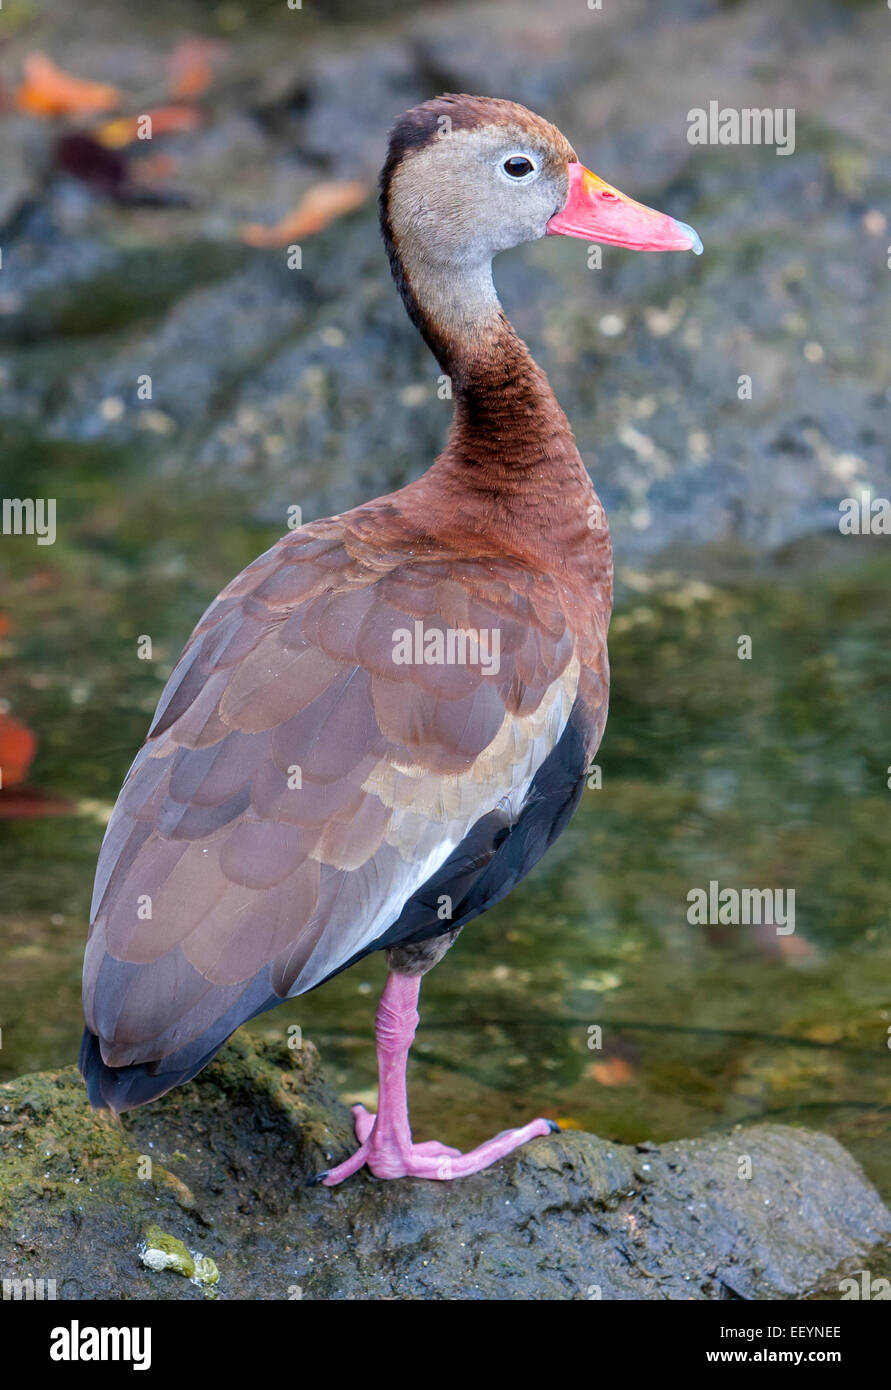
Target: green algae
[58,1156]
[206,1272]
[160,1251]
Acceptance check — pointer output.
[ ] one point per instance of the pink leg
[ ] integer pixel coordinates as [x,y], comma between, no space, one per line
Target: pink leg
[385,1142]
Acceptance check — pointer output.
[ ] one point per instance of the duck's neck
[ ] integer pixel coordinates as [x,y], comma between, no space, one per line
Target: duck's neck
[507,422]
[510,471]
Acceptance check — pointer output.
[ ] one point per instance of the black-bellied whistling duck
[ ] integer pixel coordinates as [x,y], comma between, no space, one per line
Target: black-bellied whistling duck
[381,724]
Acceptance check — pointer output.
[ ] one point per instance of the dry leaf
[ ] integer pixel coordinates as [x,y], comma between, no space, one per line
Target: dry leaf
[786,947]
[191,67]
[613,1071]
[48,91]
[154,168]
[165,120]
[320,205]
[17,748]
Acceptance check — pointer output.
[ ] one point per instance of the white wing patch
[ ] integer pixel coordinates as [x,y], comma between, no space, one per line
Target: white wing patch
[433,813]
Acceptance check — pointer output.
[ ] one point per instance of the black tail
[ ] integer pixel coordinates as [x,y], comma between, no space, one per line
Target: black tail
[123,1088]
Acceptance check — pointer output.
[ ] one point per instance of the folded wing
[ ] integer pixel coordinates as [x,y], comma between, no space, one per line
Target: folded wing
[299,785]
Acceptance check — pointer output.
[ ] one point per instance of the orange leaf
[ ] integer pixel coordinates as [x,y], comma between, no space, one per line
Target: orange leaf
[17,748]
[191,67]
[154,167]
[788,947]
[48,91]
[320,205]
[165,120]
[614,1071]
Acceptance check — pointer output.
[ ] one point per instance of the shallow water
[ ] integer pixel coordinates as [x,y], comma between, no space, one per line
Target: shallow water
[766,773]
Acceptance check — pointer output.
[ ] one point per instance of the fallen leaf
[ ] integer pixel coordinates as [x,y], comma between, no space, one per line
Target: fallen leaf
[41,580]
[154,167]
[49,91]
[613,1071]
[320,205]
[17,748]
[191,67]
[786,947]
[165,120]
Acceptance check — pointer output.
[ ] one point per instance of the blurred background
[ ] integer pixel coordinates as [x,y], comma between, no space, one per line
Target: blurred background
[273,386]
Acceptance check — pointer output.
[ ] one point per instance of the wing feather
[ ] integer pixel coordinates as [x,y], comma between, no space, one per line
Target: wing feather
[298,787]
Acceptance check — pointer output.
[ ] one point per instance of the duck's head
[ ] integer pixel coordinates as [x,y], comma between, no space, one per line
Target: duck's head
[467,177]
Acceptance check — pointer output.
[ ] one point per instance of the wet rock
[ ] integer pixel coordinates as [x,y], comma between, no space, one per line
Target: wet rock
[161,1251]
[24,161]
[221,1167]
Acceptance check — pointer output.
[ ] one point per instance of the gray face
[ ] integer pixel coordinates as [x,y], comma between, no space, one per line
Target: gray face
[467,195]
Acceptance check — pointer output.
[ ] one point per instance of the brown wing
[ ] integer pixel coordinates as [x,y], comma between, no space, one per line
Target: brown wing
[297,786]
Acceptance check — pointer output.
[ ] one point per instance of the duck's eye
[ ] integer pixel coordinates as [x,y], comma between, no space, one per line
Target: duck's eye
[518,166]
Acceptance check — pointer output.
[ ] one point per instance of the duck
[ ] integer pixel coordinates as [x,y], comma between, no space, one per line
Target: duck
[380,725]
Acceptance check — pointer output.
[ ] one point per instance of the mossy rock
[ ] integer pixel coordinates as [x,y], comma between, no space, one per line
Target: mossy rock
[83,1197]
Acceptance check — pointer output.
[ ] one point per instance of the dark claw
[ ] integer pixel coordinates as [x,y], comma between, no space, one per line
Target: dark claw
[552,1126]
[317,1178]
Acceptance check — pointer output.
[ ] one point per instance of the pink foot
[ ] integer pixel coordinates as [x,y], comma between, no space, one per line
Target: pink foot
[365,1124]
[385,1142]
[431,1159]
